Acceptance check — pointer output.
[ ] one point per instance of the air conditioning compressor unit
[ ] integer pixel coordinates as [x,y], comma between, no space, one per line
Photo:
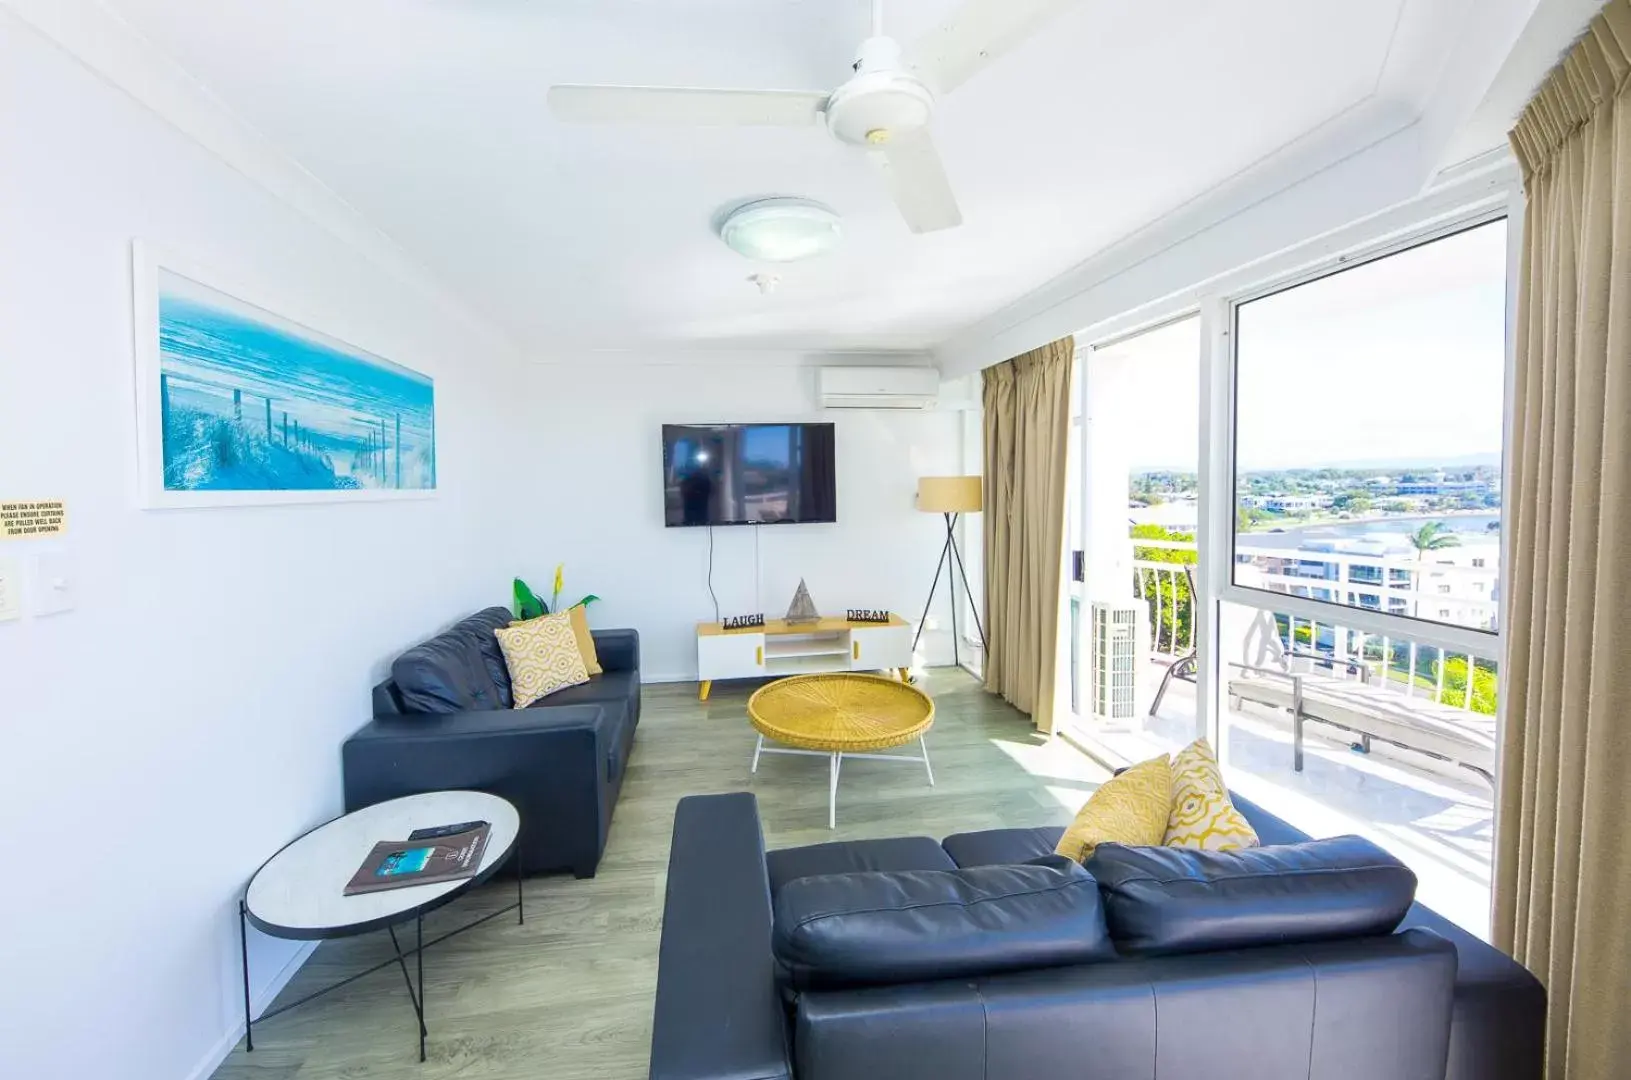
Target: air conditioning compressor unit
[1115,660]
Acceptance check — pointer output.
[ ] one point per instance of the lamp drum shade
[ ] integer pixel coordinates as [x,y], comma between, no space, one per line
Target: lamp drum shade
[950,494]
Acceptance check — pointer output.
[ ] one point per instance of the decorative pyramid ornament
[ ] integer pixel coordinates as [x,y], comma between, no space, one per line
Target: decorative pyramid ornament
[803,609]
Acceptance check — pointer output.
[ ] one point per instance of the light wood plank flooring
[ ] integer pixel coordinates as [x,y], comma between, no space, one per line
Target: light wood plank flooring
[568,995]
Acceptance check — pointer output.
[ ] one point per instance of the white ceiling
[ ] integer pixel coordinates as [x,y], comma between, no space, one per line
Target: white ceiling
[428,117]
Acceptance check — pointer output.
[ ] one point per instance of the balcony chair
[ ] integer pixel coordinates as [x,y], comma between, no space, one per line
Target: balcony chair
[1183,667]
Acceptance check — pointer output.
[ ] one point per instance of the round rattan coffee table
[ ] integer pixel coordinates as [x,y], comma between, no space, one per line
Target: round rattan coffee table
[841,715]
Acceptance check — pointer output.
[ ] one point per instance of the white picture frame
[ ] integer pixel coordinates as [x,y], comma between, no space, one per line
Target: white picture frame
[359,439]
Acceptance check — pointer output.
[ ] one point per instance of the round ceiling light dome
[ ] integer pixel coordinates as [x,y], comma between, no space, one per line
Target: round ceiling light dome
[781,229]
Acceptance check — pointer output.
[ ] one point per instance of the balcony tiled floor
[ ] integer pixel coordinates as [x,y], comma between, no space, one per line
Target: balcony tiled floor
[1436,817]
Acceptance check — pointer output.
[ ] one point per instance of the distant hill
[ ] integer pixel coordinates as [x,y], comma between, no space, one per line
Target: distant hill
[1455,461]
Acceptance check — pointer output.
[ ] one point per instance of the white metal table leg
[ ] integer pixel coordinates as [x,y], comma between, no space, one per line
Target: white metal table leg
[757,750]
[923,744]
[832,793]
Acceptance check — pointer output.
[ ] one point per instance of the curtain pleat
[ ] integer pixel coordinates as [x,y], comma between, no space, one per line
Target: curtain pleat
[1563,848]
[1027,428]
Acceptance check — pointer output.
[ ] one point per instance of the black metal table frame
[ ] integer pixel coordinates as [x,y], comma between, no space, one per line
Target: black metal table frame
[389,924]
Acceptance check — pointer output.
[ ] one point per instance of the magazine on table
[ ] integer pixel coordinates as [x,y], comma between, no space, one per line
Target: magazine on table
[426,857]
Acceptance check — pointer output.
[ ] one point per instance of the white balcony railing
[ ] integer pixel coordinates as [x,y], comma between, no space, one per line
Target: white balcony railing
[1400,586]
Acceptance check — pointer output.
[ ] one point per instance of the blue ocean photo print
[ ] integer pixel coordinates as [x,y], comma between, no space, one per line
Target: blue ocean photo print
[250,402]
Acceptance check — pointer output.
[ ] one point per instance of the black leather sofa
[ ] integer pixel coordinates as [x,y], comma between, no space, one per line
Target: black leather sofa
[869,959]
[444,720]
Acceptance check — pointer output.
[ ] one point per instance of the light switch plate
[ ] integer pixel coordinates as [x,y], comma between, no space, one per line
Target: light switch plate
[11,590]
[51,583]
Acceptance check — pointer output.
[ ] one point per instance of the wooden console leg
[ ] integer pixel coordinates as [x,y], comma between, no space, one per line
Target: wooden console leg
[702,691]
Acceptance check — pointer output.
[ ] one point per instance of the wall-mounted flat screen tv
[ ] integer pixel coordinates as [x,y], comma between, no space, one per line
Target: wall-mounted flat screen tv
[748,474]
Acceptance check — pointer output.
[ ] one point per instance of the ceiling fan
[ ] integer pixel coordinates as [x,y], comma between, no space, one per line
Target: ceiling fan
[884,107]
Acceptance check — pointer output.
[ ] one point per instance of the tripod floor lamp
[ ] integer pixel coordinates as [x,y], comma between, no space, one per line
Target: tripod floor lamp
[951,497]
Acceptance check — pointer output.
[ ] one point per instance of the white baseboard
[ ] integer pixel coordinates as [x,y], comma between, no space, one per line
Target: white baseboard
[257,1002]
[687,677]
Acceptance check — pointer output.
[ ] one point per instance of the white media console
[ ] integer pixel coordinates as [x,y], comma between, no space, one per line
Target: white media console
[783,648]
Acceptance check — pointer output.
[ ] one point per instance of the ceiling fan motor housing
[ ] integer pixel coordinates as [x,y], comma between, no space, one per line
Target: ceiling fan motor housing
[882,102]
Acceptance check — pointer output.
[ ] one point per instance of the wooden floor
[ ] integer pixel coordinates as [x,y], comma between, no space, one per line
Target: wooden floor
[568,995]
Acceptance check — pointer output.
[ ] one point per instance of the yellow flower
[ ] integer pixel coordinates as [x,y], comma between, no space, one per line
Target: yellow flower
[560,577]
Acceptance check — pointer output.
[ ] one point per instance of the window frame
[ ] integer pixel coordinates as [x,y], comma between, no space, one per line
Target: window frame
[1371,621]
[1458,198]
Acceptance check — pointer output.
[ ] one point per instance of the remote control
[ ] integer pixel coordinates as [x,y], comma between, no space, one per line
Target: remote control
[444,830]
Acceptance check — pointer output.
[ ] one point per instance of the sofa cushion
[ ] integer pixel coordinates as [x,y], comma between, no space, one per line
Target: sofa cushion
[1131,807]
[1500,1007]
[1161,900]
[478,631]
[614,687]
[543,657]
[836,931]
[895,853]
[993,847]
[586,638]
[455,671]
[1202,815]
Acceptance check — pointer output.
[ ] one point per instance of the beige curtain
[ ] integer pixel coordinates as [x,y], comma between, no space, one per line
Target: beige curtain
[1563,831]
[1027,431]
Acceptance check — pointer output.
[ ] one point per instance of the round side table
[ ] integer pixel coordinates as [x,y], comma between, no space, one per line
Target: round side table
[299,893]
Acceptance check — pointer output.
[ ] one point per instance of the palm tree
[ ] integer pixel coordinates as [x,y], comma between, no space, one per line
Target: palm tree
[1432,536]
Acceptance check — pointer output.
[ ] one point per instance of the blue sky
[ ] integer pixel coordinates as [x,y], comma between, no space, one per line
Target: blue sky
[1399,359]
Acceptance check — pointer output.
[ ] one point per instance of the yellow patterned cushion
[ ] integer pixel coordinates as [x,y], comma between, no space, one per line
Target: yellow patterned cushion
[1128,809]
[542,655]
[1202,815]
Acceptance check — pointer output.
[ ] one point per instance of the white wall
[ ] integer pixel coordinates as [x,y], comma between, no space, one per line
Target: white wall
[595,475]
[216,659]
[184,722]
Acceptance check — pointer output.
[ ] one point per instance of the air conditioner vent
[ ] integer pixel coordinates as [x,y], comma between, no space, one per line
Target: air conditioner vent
[878,387]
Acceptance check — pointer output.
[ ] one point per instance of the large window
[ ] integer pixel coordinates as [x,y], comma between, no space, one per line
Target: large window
[1336,444]
[1368,434]
[1357,650]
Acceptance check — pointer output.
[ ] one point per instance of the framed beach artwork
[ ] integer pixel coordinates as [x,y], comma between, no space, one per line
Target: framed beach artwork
[240,405]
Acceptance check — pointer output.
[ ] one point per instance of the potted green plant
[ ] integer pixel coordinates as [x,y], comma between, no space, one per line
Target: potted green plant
[527,605]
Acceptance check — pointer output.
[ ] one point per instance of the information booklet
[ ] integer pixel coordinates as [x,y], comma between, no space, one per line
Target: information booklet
[427,857]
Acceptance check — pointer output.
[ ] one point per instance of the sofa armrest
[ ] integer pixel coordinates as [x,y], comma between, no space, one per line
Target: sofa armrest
[486,722]
[618,650]
[718,1013]
[553,764]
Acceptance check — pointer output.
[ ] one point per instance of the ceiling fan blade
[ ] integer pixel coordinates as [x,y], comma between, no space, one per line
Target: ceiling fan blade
[976,34]
[685,105]
[918,184]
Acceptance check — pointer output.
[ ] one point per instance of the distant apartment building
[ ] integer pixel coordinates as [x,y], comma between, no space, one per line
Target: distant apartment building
[1456,585]
[1295,504]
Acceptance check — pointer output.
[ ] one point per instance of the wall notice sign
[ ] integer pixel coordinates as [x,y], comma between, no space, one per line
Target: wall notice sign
[20,520]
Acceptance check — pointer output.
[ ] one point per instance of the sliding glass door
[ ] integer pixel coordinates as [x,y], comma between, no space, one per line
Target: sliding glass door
[1287,530]
[1135,540]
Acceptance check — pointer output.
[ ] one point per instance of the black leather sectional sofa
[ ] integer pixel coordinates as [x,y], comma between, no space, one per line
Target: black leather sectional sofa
[867,959]
[444,720]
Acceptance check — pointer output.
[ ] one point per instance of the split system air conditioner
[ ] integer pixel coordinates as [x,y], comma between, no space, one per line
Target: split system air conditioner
[878,387]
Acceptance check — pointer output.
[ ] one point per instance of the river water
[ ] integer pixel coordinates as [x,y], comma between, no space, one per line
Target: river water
[1469,529]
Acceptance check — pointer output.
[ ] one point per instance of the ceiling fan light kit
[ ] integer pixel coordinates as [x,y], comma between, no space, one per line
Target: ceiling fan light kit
[884,107]
[783,229]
